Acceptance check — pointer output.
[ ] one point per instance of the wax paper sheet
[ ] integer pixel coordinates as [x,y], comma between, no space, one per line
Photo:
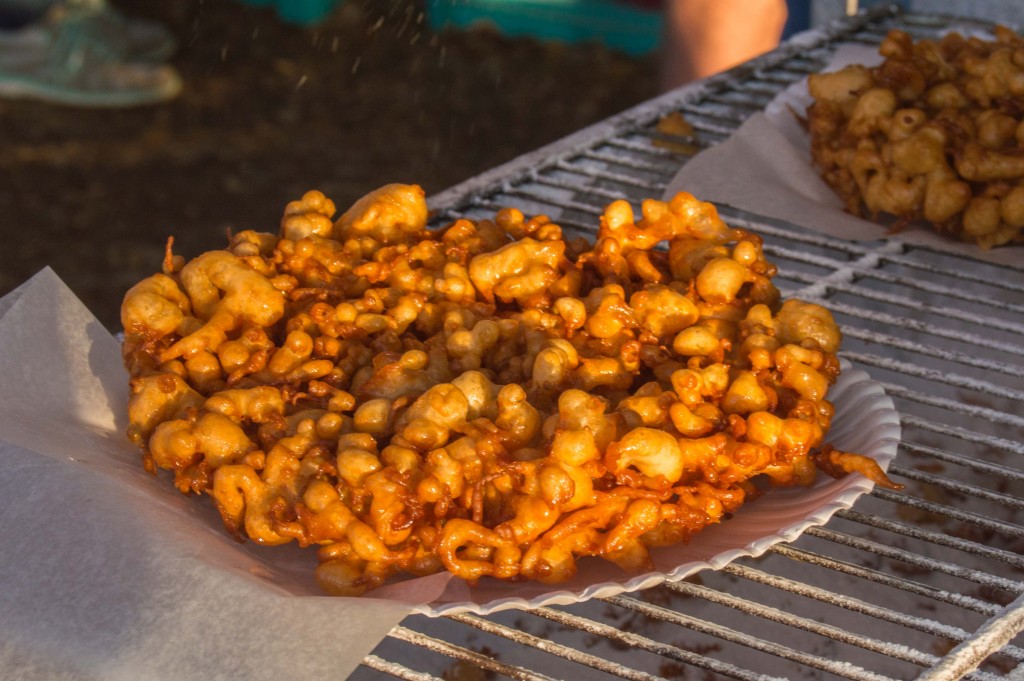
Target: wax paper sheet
[110,573]
[765,168]
[107,572]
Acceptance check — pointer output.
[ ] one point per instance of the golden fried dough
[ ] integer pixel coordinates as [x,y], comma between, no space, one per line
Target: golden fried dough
[485,398]
[934,133]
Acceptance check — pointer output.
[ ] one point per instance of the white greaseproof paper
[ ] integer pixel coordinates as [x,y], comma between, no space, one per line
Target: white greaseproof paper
[110,573]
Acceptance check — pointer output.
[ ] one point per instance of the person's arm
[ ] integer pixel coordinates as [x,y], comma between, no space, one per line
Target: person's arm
[704,37]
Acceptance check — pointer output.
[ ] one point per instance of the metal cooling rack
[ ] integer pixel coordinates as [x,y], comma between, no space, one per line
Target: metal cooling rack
[925,583]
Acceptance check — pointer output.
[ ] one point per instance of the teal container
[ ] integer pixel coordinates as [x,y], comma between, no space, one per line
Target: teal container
[305,12]
[632,30]
[301,12]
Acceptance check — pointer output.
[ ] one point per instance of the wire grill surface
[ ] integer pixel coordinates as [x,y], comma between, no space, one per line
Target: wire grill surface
[923,583]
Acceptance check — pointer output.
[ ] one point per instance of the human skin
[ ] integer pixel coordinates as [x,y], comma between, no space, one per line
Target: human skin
[705,37]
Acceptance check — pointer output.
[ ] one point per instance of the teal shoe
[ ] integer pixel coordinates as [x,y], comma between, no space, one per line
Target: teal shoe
[74,58]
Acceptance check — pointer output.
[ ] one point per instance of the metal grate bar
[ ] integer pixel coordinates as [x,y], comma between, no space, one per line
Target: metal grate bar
[817,662]
[895,253]
[654,161]
[1005,500]
[943,334]
[714,119]
[801,238]
[947,631]
[760,87]
[918,326]
[955,293]
[495,204]
[941,539]
[397,670]
[478,660]
[886,579]
[778,79]
[1005,283]
[963,434]
[752,93]
[955,380]
[992,415]
[989,638]
[546,646]
[600,192]
[872,272]
[813,626]
[644,148]
[923,308]
[918,560]
[921,349]
[605,175]
[984,467]
[570,204]
[635,164]
[650,645]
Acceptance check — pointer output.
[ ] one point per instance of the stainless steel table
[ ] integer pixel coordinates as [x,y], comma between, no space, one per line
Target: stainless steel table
[923,583]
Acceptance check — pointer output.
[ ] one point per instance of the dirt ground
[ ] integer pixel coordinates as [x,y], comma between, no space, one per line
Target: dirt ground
[270,110]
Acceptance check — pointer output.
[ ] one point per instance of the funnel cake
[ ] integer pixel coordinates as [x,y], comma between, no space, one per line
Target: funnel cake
[486,398]
[933,133]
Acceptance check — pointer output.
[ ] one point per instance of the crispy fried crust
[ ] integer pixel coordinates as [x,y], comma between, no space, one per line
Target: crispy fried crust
[934,133]
[487,398]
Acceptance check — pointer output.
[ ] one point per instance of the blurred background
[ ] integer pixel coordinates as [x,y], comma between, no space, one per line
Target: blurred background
[371,92]
[281,96]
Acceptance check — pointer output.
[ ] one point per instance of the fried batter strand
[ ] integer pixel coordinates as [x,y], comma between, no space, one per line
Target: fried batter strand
[934,133]
[484,398]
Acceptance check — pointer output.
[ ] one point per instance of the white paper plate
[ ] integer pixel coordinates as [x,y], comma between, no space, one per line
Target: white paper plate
[865,422]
